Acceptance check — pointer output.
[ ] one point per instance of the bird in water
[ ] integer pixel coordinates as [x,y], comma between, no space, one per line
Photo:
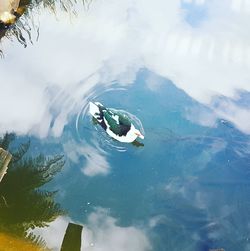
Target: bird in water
[115,123]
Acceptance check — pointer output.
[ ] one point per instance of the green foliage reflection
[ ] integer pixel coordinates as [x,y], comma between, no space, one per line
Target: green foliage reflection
[23,204]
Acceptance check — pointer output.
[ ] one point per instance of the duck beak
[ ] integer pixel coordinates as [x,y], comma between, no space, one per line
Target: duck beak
[139,135]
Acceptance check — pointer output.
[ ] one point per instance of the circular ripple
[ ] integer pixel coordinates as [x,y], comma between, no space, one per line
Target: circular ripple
[89,133]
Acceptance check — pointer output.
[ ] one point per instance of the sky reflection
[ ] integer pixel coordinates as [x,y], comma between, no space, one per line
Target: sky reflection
[182,69]
[113,41]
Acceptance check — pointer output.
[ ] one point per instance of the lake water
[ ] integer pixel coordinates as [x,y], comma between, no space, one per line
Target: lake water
[186,189]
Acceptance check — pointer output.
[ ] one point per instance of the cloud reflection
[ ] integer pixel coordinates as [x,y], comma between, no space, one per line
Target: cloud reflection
[95,158]
[101,232]
[112,41]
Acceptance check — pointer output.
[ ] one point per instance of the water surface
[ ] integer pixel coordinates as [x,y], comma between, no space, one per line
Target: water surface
[186,189]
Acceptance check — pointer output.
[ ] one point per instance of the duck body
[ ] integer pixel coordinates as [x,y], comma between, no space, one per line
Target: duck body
[115,123]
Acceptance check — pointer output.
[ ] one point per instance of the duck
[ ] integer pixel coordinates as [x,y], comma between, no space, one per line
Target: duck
[116,124]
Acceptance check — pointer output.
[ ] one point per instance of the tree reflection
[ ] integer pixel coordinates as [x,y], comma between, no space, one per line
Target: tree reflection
[23,205]
[20,28]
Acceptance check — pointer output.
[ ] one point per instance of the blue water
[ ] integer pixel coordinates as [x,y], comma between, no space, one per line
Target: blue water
[193,179]
[186,189]
[195,14]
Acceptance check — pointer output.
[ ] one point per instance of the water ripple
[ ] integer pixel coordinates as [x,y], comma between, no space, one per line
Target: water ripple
[91,134]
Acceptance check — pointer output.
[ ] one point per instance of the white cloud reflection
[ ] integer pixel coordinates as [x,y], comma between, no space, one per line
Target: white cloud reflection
[96,161]
[54,233]
[100,233]
[104,234]
[111,42]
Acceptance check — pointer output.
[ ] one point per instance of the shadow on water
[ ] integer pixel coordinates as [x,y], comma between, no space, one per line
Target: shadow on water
[23,204]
